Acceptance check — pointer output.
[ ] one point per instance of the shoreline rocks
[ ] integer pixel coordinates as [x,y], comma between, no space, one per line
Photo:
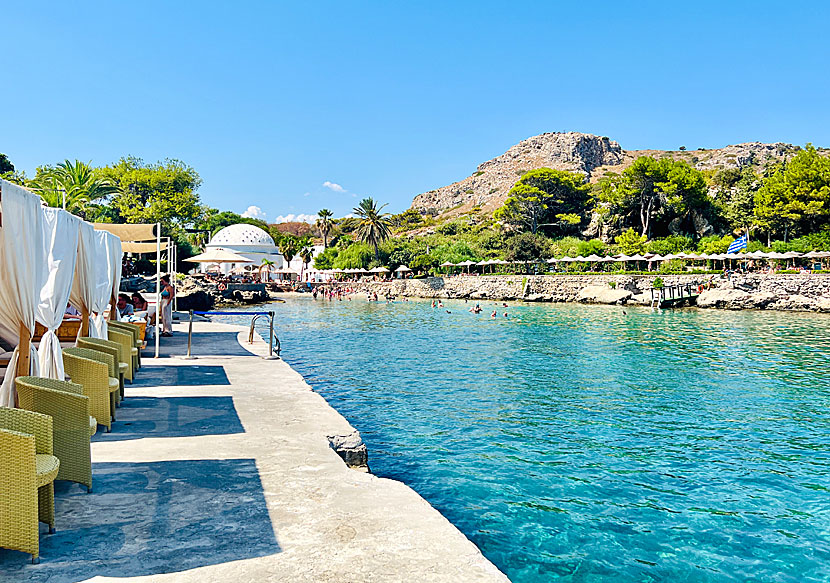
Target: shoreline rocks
[782,292]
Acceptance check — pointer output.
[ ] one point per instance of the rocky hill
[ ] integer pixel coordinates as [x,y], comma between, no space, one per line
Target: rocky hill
[591,155]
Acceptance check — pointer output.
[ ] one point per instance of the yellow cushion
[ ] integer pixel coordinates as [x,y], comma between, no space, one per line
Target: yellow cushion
[47,468]
[114,384]
[93,425]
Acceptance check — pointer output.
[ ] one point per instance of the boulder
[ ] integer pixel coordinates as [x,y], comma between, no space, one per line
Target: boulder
[795,303]
[197,300]
[734,299]
[351,449]
[598,294]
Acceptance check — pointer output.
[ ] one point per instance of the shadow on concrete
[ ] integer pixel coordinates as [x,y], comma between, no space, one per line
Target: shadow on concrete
[151,518]
[141,417]
[191,375]
[204,344]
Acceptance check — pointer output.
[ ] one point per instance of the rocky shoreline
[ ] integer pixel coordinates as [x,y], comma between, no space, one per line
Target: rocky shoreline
[784,292]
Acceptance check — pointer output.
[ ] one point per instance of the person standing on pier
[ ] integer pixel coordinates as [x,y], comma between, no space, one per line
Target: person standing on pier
[168,292]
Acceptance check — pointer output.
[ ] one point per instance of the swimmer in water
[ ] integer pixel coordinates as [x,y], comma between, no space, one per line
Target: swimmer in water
[494,314]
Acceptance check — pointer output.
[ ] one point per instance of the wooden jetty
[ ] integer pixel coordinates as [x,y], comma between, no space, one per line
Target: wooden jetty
[673,296]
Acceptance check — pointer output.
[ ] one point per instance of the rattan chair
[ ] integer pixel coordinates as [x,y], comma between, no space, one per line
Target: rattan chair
[112,348]
[72,424]
[126,342]
[91,369]
[134,331]
[27,475]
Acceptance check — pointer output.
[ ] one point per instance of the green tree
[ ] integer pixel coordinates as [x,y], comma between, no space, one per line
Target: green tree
[374,224]
[795,198]
[325,260]
[735,196]
[324,223]
[75,183]
[5,164]
[527,246]
[546,197]
[163,192]
[654,191]
[355,256]
[290,245]
[630,243]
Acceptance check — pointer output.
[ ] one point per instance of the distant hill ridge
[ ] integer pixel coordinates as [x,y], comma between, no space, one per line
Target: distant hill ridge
[591,155]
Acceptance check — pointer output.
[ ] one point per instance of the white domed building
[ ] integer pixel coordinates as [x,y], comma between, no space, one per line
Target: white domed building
[247,240]
[255,244]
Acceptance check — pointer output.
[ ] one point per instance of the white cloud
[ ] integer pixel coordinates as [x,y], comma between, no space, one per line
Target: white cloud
[307,194]
[254,212]
[333,186]
[292,218]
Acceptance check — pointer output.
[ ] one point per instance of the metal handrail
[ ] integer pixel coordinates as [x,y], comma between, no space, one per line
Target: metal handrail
[272,339]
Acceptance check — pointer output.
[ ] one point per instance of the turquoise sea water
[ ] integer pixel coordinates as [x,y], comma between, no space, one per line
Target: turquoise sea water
[582,443]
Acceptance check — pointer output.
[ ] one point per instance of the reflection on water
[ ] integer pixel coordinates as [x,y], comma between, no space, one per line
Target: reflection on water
[589,443]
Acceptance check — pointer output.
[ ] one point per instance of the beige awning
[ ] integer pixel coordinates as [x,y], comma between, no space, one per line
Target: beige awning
[219,256]
[132,247]
[129,232]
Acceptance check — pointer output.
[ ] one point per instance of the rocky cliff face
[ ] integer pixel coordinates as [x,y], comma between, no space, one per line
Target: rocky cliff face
[588,154]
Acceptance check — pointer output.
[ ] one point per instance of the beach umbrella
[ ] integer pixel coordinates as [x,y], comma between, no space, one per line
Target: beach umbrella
[215,255]
[818,254]
[567,259]
[379,270]
[657,257]
[402,269]
[448,264]
[637,257]
[792,255]
[593,257]
[669,257]
[682,255]
[553,260]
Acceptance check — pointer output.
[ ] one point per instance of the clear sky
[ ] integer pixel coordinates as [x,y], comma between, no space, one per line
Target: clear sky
[293,107]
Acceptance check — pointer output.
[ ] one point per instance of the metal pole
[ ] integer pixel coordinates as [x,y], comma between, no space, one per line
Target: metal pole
[158,285]
[189,336]
[271,335]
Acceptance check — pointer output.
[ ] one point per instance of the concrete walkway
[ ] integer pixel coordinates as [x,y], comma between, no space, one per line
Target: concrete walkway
[219,469]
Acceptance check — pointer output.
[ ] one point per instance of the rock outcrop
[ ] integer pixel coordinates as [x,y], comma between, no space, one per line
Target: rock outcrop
[594,156]
[572,151]
[351,449]
[786,292]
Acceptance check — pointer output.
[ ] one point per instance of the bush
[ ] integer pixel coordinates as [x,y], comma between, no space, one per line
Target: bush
[657,283]
[612,284]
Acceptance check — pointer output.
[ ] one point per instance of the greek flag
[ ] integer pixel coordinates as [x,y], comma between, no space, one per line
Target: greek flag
[737,244]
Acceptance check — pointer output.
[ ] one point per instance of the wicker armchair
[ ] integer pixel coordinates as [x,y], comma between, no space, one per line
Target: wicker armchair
[91,369]
[126,342]
[112,348]
[27,474]
[134,331]
[72,424]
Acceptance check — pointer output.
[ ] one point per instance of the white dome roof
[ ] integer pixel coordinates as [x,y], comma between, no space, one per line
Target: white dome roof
[240,235]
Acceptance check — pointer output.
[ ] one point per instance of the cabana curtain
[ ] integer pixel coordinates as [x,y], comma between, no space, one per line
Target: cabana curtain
[83,283]
[61,232]
[23,272]
[103,282]
[114,247]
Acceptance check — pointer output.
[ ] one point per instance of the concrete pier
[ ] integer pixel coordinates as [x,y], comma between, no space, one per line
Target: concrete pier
[219,469]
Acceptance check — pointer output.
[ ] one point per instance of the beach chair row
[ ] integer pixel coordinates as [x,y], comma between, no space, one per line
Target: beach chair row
[48,437]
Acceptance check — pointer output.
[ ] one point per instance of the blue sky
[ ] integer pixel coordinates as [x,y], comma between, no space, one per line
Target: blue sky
[273,103]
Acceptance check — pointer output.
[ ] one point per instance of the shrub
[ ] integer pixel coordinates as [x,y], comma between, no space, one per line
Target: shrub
[612,284]
[657,283]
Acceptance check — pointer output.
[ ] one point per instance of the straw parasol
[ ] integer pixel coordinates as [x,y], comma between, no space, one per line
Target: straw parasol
[379,270]
[215,255]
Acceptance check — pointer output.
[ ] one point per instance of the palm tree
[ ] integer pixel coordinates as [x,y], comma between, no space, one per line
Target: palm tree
[325,224]
[374,224]
[72,183]
[307,254]
[266,264]
[289,246]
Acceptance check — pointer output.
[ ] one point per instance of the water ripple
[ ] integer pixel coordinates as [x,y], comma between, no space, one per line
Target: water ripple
[584,444]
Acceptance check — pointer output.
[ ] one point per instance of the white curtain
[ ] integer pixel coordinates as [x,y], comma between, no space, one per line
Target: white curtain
[115,267]
[60,243]
[82,296]
[103,283]
[22,271]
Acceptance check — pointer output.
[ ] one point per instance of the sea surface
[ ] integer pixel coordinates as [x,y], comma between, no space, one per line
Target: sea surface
[592,443]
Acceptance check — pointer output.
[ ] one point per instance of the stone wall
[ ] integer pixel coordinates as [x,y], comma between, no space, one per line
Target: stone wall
[768,291]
